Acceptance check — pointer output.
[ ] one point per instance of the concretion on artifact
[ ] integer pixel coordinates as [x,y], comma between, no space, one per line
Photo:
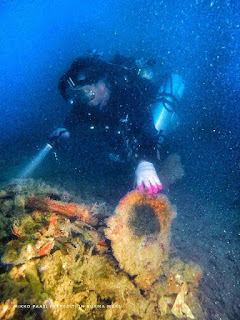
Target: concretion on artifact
[140,235]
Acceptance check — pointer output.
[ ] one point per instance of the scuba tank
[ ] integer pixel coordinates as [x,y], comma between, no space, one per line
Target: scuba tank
[165,107]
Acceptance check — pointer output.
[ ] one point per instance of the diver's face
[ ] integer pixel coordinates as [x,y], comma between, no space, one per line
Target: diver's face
[98,93]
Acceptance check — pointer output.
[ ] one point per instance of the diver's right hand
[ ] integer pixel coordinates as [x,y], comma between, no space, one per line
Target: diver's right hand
[146,178]
[59,134]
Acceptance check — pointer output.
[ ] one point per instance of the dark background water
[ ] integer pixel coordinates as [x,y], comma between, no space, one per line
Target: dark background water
[199,39]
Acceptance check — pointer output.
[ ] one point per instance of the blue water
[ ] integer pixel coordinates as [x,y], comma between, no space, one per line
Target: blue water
[199,39]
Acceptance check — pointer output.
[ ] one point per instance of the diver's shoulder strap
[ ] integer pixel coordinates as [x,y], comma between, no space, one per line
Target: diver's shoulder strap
[164,109]
[169,104]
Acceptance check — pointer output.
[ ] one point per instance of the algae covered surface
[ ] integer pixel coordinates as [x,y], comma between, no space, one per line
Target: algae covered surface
[66,259]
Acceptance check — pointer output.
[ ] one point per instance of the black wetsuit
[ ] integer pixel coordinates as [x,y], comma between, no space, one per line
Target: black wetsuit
[126,119]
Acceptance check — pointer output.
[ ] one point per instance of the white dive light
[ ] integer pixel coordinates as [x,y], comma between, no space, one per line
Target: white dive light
[164,110]
[28,170]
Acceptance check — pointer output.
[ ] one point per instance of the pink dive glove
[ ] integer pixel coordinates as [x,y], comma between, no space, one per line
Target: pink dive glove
[146,178]
[59,134]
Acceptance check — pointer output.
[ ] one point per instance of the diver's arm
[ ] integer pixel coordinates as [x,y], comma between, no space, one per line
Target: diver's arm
[72,119]
[146,177]
[145,133]
[64,132]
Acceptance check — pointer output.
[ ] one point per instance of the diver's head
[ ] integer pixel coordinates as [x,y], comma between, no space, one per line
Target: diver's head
[85,82]
[94,94]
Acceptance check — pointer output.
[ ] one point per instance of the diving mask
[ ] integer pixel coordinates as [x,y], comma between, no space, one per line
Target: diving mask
[80,94]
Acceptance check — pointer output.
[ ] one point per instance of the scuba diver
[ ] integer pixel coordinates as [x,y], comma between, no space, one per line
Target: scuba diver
[120,96]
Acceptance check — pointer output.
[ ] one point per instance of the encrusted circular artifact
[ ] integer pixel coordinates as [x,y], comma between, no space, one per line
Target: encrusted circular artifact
[140,235]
